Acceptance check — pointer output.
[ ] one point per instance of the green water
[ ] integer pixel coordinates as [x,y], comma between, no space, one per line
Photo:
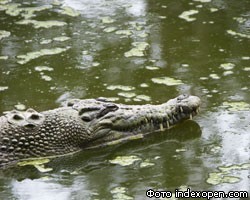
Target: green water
[51,51]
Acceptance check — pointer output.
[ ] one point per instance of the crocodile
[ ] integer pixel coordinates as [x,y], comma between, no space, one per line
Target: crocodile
[85,124]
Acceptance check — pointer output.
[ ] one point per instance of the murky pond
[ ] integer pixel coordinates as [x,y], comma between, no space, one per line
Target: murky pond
[133,52]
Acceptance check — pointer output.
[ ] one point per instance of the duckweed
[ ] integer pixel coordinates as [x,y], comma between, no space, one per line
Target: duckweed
[146,163]
[227,66]
[43,68]
[167,81]
[120,87]
[22,59]
[186,15]
[142,97]
[41,24]
[203,1]
[46,78]
[61,38]
[4,57]
[124,32]
[20,106]
[109,29]
[4,34]
[127,94]
[214,76]
[107,20]
[118,193]
[233,33]
[37,163]
[125,160]
[223,176]
[138,50]
[236,106]
[66,10]
[2,88]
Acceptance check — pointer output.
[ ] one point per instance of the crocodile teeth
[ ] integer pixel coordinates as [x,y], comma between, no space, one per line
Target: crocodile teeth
[191,116]
[181,109]
[197,110]
[168,124]
[161,127]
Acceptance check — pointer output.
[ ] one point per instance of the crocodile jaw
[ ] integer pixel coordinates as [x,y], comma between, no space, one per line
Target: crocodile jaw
[134,122]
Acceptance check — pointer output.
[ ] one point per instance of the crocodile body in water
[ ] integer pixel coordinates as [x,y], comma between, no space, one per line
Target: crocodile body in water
[84,124]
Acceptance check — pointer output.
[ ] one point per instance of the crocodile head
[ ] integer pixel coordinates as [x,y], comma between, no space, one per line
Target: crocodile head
[109,123]
[85,124]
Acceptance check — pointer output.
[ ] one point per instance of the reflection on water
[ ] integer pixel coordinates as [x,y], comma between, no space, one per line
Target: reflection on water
[136,52]
[39,189]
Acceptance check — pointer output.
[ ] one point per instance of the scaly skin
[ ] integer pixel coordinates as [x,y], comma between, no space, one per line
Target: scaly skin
[84,124]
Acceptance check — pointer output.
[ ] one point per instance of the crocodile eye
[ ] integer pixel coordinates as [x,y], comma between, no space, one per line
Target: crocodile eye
[108,108]
[87,109]
[70,104]
[112,106]
[86,118]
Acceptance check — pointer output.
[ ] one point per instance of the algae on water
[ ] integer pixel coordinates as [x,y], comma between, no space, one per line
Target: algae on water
[61,38]
[138,50]
[41,24]
[109,29]
[119,193]
[120,87]
[224,176]
[167,81]
[234,33]
[107,20]
[2,88]
[125,160]
[37,163]
[66,10]
[22,59]
[186,15]
[4,34]
[236,106]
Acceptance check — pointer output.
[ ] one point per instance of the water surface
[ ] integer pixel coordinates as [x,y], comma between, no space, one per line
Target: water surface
[135,52]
